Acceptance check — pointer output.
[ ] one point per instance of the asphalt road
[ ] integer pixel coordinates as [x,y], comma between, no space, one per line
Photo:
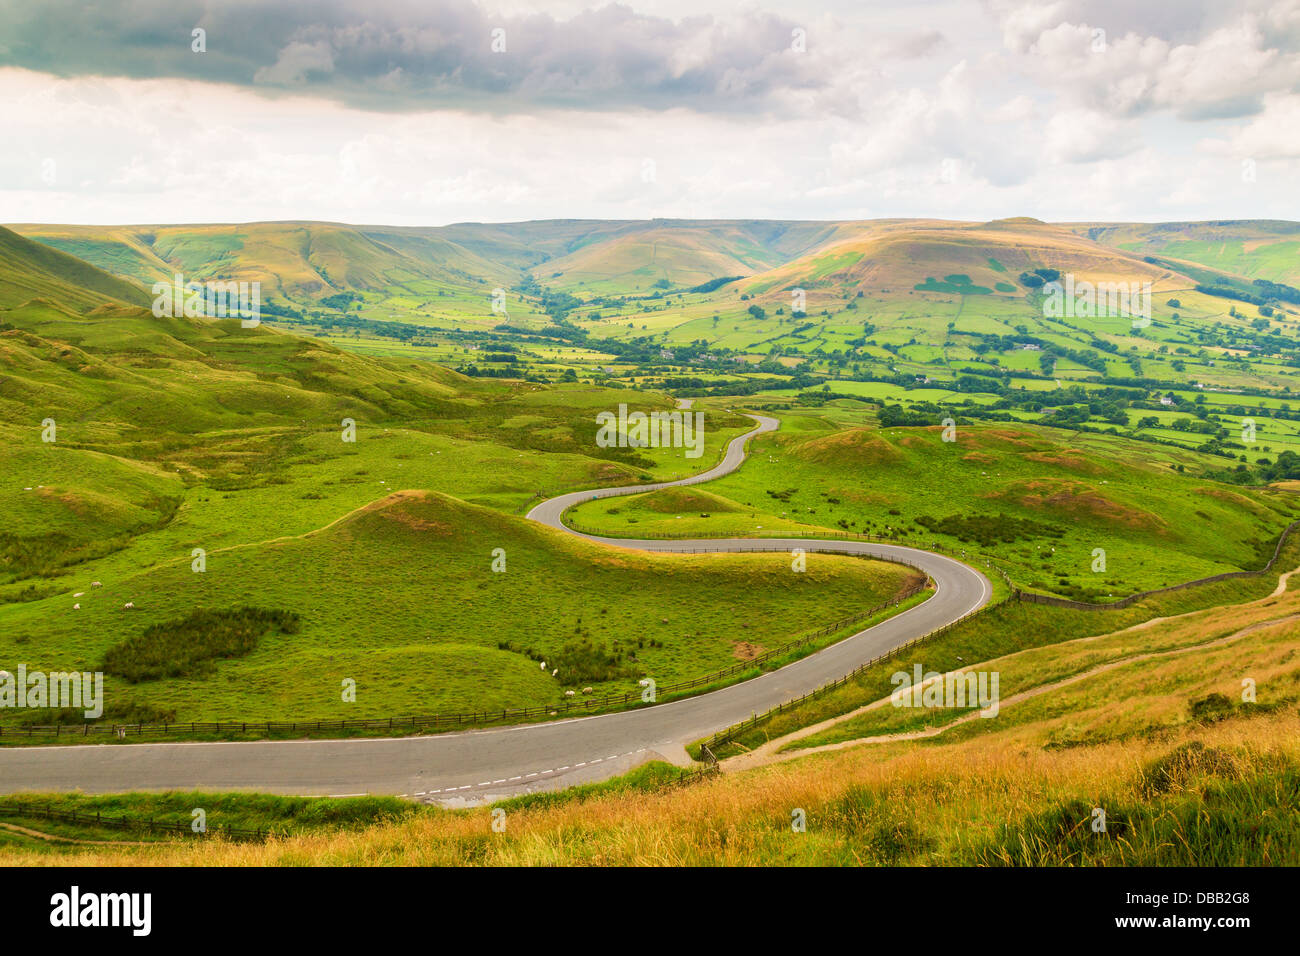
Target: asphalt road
[476,766]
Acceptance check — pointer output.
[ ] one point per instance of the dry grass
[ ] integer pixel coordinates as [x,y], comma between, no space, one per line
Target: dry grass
[908,804]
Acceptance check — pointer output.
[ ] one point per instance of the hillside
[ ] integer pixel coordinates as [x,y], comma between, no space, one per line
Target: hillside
[1037,503]
[1145,723]
[295,262]
[1255,248]
[32,270]
[471,642]
[954,258]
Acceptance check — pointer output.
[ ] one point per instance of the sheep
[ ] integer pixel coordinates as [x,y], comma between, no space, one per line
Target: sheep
[568,693]
[554,672]
[96,584]
[129,605]
[586,690]
[76,607]
[79,594]
[644,682]
[543,665]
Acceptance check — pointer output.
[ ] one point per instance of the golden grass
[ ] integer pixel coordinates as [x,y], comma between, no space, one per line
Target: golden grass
[945,800]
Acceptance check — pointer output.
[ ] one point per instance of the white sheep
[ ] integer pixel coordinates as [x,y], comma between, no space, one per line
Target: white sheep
[129,605]
[543,665]
[79,594]
[554,672]
[76,607]
[96,584]
[568,693]
[644,682]
[586,690]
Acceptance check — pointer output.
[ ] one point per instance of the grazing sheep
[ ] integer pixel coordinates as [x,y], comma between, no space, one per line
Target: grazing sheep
[96,584]
[554,672]
[79,594]
[129,605]
[76,607]
[568,693]
[586,690]
[644,682]
[543,665]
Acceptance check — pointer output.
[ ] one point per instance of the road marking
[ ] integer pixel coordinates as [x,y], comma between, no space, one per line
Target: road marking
[732,459]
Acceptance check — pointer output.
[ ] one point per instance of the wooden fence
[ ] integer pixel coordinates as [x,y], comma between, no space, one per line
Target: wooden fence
[1031,598]
[723,736]
[471,718]
[135,825]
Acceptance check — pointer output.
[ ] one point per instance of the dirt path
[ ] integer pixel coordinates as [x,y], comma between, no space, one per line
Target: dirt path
[769,752]
[53,838]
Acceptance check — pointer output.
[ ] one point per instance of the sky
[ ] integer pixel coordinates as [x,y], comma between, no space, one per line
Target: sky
[427,112]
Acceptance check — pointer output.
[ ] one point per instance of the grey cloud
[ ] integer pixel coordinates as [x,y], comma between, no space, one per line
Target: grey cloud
[403,55]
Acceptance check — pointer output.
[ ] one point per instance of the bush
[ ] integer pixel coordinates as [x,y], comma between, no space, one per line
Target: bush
[189,647]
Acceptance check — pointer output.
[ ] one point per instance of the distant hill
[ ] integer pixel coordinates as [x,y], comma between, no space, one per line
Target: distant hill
[444,275]
[1255,248]
[294,261]
[892,258]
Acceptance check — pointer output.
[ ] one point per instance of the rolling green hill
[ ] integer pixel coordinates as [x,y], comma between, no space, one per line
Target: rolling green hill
[1255,248]
[1036,501]
[31,270]
[400,596]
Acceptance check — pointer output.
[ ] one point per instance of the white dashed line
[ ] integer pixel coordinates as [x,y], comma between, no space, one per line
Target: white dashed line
[535,773]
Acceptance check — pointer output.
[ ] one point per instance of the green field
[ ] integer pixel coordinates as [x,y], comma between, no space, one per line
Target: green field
[1037,505]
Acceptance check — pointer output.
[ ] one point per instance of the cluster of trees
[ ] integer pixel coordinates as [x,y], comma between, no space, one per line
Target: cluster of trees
[1037,278]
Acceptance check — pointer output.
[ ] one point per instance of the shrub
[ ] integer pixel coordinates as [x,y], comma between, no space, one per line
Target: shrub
[190,647]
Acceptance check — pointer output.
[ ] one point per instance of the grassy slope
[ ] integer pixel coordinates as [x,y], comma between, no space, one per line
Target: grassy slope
[1264,249]
[1179,645]
[30,270]
[299,261]
[1176,789]
[1157,527]
[1002,630]
[175,434]
[431,644]
[151,412]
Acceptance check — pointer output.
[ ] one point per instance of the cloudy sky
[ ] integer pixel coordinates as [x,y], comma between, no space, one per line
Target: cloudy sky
[424,112]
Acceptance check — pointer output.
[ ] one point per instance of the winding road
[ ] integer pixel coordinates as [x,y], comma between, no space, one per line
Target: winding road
[477,766]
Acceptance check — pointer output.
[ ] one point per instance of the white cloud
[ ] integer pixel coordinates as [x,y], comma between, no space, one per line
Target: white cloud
[939,108]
